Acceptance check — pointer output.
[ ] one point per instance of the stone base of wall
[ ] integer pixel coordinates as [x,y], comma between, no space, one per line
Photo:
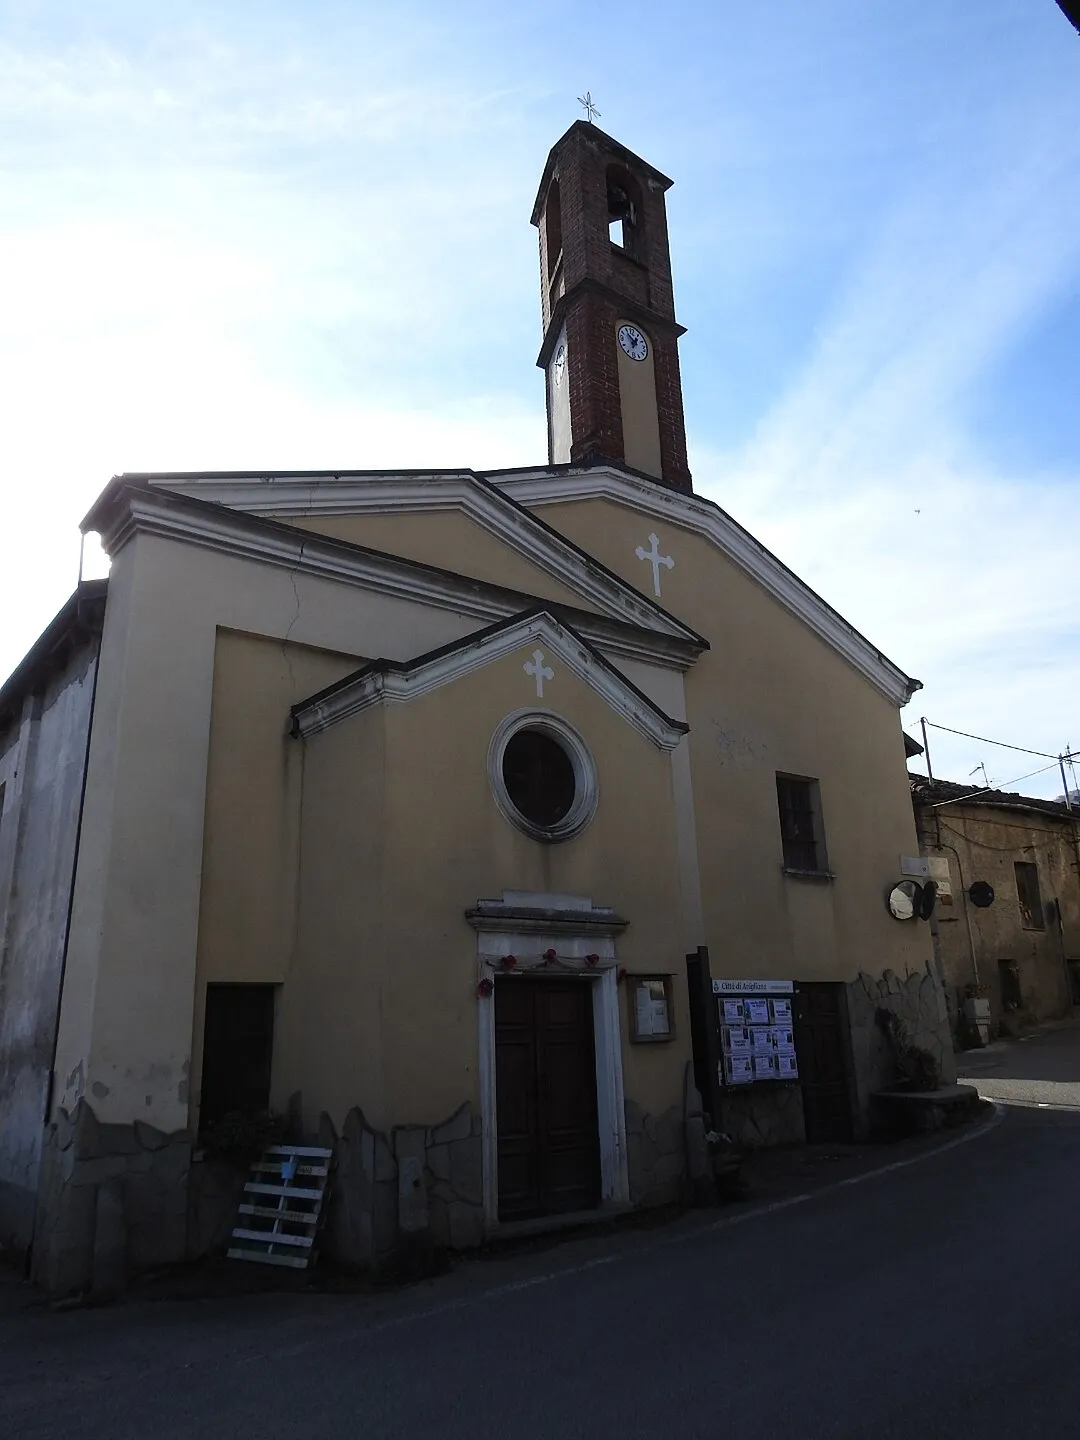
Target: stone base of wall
[760,1117]
[656,1155]
[113,1199]
[17,1205]
[215,1189]
[119,1199]
[919,1000]
[369,1214]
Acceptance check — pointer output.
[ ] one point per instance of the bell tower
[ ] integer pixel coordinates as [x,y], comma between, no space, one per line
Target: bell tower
[610,350]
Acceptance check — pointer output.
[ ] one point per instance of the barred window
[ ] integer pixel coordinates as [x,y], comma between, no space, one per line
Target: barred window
[800,824]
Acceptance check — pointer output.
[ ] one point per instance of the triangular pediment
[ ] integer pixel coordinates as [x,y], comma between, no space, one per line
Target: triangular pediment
[545,486]
[128,507]
[291,496]
[397,682]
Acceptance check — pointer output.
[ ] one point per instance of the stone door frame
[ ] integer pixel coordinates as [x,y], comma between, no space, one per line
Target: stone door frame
[528,926]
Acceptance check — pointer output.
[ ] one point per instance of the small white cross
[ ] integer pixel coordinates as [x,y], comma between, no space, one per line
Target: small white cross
[540,670]
[655,559]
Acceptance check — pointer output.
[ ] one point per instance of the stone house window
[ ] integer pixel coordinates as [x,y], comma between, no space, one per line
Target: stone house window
[1027,892]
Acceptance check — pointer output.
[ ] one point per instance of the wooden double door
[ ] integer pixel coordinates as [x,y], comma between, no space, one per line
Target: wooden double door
[545,1089]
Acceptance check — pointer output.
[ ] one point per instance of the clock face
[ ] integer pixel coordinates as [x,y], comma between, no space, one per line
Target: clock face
[633,342]
[560,364]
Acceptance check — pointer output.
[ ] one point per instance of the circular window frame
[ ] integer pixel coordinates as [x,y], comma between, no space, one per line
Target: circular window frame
[586,785]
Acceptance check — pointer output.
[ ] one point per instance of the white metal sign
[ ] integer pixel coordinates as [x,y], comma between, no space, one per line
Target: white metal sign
[753,987]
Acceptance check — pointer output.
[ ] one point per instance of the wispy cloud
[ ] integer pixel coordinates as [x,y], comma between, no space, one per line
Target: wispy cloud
[867,479]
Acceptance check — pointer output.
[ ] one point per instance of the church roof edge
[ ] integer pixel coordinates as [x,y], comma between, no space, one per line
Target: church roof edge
[700,513]
[273,484]
[124,508]
[618,150]
[80,615]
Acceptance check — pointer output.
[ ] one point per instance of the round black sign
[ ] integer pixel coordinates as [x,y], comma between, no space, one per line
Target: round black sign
[981,894]
[927,900]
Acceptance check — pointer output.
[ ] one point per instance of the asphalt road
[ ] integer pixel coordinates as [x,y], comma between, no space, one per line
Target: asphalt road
[936,1299]
[1042,1069]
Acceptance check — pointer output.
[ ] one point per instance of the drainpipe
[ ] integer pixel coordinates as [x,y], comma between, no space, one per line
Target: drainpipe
[967,906]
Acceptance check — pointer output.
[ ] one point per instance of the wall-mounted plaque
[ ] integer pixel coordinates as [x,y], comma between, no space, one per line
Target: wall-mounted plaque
[753,987]
[651,1015]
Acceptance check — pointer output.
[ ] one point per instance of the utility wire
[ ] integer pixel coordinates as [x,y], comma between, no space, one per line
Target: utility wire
[1043,754]
[986,789]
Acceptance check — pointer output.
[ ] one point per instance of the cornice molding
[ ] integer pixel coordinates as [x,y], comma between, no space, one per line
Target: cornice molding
[126,510]
[296,496]
[650,319]
[490,917]
[389,683]
[692,512]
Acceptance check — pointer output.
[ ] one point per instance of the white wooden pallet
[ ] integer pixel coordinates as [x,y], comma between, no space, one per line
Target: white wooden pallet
[278,1224]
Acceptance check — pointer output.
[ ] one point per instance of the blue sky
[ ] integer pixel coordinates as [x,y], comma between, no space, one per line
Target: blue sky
[239,235]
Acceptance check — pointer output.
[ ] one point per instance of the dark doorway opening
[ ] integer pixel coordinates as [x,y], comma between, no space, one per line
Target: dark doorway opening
[704,1033]
[1009,980]
[238,1049]
[822,1045]
[545,1093]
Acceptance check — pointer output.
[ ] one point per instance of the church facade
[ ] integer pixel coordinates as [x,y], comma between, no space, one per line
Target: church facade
[406,797]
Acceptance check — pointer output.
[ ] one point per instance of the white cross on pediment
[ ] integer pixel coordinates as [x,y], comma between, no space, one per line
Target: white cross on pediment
[540,670]
[655,559]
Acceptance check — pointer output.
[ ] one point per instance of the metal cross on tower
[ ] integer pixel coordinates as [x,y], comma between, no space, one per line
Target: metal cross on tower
[586,102]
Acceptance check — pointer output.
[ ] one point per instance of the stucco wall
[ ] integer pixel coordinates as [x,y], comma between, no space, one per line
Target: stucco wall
[128,1013]
[402,836]
[332,1030]
[984,843]
[451,541]
[637,403]
[251,851]
[41,770]
[772,696]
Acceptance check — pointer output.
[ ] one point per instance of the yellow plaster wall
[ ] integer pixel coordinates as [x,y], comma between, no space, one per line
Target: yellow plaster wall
[450,540]
[772,696]
[637,398]
[127,1014]
[332,1037]
[251,846]
[444,846]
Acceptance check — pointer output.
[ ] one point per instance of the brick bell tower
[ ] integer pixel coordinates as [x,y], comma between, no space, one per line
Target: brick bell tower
[610,350]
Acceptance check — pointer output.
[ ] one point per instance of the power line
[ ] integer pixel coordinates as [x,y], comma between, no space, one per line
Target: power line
[987,789]
[1043,754]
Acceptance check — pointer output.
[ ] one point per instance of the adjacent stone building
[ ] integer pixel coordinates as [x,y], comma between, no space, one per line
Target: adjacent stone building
[417,806]
[1007,921]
